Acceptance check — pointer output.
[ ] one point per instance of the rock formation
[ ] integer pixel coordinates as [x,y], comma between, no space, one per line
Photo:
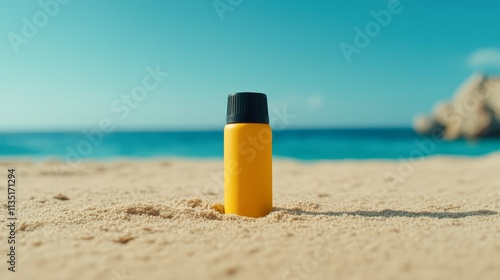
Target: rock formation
[473,113]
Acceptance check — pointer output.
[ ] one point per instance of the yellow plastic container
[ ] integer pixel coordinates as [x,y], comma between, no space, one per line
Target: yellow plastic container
[248,156]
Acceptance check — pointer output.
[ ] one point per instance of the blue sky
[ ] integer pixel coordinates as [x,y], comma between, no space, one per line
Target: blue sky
[86,55]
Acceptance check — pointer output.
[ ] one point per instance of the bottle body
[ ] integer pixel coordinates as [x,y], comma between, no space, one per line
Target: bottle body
[248,169]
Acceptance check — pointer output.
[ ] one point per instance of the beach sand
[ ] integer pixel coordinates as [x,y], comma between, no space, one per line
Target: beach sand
[160,219]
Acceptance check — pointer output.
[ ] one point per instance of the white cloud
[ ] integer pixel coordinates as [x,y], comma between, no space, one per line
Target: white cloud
[315,101]
[485,57]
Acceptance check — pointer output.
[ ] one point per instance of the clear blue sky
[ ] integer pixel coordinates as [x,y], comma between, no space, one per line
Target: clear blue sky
[89,53]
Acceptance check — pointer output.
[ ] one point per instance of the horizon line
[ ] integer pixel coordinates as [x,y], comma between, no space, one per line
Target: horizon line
[211,129]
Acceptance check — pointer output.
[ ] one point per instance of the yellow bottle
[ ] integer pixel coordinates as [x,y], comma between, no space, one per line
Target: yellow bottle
[248,156]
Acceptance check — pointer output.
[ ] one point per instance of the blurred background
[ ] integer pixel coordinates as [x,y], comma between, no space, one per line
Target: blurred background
[344,79]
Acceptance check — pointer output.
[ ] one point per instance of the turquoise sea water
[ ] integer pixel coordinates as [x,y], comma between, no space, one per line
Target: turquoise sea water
[298,144]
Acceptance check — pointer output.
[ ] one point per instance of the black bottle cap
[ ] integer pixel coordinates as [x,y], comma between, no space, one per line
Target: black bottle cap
[247,107]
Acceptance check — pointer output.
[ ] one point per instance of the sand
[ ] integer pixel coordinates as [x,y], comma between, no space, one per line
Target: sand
[160,219]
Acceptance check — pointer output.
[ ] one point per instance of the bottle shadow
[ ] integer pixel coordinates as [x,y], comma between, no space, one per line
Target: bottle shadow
[388,213]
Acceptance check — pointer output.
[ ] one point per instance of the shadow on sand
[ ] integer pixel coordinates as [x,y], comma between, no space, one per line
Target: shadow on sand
[388,213]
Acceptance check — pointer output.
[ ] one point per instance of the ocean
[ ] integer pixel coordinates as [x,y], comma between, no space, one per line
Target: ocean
[321,144]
